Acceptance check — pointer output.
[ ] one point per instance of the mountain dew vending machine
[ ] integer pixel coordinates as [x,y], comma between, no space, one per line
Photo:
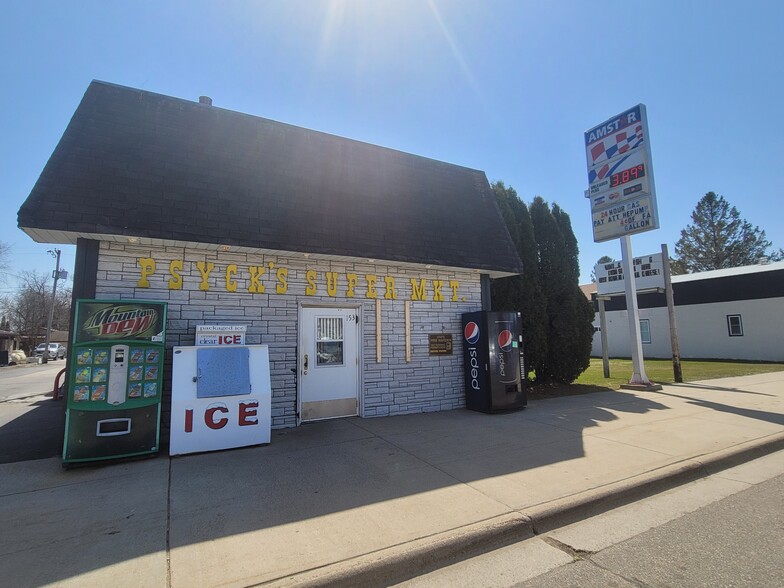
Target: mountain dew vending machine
[114,380]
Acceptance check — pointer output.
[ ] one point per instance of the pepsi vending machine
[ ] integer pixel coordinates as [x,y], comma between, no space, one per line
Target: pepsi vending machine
[115,380]
[492,357]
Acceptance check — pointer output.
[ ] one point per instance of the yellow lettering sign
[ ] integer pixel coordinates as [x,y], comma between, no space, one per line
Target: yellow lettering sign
[417,290]
[419,286]
[255,286]
[352,283]
[175,267]
[371,286]
[454,285]
[205,267]
[437,285]
[390,293]
[148,268]
[231,283]
[332,283]
[310,278]
[283,284]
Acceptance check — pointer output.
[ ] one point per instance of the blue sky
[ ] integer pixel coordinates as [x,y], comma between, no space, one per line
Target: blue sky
[507,87]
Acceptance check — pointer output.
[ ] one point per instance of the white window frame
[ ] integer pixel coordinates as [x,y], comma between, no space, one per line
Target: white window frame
[739,325]
[642,331]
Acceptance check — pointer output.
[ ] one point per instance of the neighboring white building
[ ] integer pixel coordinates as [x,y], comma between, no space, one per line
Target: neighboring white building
[735,313]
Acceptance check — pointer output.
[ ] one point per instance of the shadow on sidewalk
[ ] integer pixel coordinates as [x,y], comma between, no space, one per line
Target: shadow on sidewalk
[36,433]
[316,479]
[720,388]
[760,415]
[323,469]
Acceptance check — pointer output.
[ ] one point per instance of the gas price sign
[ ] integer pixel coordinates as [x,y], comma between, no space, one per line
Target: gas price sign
[620,176]
[628,175]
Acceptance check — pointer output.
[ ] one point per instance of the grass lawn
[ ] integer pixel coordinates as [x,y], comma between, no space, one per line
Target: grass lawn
[658,370]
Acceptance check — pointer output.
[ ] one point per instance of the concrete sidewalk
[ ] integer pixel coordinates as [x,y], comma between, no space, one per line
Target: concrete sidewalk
[373,501]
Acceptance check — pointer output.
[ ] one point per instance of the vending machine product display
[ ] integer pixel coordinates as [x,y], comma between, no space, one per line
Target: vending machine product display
[492,359]
[115,380]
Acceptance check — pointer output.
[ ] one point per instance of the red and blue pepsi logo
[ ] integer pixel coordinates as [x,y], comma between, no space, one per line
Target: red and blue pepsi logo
[505,340]
[471,332]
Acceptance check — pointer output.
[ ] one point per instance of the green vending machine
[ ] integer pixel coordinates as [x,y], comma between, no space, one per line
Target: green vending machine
[115,380]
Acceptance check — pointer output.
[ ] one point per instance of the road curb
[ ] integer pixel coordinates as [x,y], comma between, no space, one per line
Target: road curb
[565,511]
[396,563]
[400,562]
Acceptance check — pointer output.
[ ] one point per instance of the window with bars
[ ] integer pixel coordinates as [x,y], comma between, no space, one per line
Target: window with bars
[329,341]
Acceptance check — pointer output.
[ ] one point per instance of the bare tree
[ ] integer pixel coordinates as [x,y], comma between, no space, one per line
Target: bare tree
[4,252]
[27,310]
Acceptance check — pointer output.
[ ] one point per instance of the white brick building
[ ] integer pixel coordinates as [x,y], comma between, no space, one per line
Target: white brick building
[343,257]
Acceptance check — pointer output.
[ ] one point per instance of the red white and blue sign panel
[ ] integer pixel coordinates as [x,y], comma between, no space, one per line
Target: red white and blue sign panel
[620,176]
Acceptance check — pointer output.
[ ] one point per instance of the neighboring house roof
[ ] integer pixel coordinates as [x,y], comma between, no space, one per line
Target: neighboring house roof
[133,163]
[730,271]
[750,282]
[588,289]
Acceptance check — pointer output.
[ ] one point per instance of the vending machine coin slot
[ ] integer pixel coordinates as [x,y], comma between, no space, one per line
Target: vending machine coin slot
[118,375]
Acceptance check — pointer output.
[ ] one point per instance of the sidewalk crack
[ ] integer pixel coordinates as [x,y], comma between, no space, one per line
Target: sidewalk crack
[575,554]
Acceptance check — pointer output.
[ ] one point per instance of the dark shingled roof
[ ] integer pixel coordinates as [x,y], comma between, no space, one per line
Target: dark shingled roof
[135,163]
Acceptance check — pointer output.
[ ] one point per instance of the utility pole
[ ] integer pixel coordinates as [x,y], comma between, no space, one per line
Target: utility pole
[603,329]
[676,349]
[56,275]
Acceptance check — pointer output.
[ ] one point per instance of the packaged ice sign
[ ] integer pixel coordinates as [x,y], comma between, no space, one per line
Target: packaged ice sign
[220,335]
[221,398]
[620,176]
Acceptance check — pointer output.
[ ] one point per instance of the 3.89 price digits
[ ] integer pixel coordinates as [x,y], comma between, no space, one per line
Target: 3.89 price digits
[627,175]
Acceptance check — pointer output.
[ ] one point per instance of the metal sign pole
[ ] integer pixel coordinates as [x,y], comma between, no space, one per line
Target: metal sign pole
[639,376]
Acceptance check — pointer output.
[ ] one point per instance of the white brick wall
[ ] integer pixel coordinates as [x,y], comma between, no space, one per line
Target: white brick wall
[426,383]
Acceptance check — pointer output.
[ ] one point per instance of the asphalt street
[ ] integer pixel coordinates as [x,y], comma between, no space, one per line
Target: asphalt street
[31,423]
[738,541]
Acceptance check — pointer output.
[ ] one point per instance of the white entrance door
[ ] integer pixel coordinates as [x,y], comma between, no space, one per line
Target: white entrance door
[328,363]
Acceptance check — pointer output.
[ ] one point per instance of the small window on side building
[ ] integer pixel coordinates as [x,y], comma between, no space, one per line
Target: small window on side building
[734,325]
[645,330]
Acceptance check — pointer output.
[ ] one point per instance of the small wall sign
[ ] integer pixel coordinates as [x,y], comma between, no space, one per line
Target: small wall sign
[439,343]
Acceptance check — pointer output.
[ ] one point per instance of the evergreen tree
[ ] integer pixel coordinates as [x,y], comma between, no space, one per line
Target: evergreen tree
[570,313]
[557,318]
[522,293]
[719,238]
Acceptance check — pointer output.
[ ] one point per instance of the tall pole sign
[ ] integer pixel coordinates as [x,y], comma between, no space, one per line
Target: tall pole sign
[623,201]
[620,176]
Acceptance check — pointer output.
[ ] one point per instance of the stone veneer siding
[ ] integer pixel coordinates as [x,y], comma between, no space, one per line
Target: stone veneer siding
[391,387]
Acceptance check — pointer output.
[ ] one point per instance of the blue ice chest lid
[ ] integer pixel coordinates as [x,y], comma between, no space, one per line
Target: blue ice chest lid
[222,371]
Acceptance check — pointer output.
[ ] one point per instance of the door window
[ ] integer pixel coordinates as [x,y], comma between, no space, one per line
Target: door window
[329,341]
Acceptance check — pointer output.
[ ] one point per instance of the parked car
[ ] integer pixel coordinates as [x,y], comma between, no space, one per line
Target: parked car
[56,350]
